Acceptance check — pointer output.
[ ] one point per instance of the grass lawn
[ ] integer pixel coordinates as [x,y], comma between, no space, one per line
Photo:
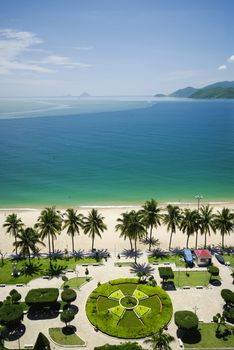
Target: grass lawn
[75,282]
[65,336]
[207,338]
[40,267]
[103,303]
[192,278]
[168,258]
[229,258]
[124,263]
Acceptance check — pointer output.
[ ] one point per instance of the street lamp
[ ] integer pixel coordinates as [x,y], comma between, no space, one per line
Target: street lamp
[198,197]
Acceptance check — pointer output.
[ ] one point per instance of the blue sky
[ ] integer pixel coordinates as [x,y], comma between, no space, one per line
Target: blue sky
[107,47]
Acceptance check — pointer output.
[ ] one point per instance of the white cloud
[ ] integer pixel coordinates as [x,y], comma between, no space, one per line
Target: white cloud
[84,48]
[231,58]
[222,67]
[14,45]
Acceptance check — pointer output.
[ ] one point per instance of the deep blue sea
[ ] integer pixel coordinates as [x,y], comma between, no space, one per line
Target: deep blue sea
[72,151]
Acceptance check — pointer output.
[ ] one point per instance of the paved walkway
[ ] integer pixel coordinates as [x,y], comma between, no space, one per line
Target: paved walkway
[205,302]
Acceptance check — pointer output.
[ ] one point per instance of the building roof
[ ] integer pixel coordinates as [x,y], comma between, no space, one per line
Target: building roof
[202,253]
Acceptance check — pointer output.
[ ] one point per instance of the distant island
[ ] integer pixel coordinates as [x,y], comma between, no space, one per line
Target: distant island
[85,94]
[223,89]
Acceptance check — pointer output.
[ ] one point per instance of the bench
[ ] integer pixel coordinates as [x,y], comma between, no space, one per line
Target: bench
[70,270]
[2,285]
[199,287]
[19,285]
[46,277]
[85,265]
[28,346]
[185,287]
[95,264]
[155,263]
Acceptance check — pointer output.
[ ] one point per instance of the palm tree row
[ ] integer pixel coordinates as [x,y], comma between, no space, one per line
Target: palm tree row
[190,222]
[50,224]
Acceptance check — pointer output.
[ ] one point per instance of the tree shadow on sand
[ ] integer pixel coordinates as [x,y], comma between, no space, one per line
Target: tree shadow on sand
[14,332]
[128,253]
[69,330]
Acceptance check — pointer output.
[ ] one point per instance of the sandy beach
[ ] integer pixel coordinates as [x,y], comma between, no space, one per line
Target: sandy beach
[110,238]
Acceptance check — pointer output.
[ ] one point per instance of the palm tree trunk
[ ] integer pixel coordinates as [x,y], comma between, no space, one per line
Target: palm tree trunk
[222,241]
[52,238]
[73,244]
[196,239]
[92,242]
[205,240]
[135,250]
[49,250]
[170,240]
[187,241]
[131,243]
[151,229]
[16,245]
[29,257]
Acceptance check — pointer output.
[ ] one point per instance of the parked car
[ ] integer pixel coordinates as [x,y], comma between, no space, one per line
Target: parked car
[219,258]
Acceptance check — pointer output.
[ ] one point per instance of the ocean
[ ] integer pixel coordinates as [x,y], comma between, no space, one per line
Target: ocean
[115,151]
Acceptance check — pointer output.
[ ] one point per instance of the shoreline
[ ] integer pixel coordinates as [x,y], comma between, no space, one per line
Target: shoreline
[32,208]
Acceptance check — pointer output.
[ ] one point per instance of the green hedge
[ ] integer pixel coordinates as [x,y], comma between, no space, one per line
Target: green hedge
[68,295]
[228,296]
[42,342]
[186,320]
[42,297]
[124,346]
[166,273]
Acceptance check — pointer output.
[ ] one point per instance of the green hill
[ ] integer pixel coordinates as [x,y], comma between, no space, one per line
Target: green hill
[216,92]
[186,92]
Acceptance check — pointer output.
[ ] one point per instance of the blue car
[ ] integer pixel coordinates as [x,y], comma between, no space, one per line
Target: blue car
[219,258]
[188,258]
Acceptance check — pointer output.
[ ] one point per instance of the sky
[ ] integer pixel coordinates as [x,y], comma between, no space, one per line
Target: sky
[107,47]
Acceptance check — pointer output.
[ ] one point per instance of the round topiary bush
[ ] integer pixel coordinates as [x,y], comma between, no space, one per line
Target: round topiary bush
[125,308]
[67,316]
[11,313]
[68,295]
[228,296]
[213,270]
[186,320]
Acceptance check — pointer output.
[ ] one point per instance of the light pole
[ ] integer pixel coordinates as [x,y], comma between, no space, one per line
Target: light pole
[198,197]
[195,309]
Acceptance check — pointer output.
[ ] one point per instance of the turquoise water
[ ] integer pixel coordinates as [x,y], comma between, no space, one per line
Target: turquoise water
[96,152]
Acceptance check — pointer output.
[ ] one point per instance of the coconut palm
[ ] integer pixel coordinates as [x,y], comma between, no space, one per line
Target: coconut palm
[188,223]
[122,226]
[27,241]
[73,222]
[49,224]
[172,219]
[224,222]
[93,225]
[13,225]
[160,340]
[151,217]
[136,227]
[207,223]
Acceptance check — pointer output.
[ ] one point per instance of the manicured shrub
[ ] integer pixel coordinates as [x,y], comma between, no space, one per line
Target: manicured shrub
[42,297]
[11,313]
[67,316]
[213,270]
[15,296]
[186,320]
[68,295]
[42,342]
[166,273]
[229,315]
[228,296]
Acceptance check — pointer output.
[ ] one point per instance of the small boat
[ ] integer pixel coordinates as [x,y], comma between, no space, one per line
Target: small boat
[219,258]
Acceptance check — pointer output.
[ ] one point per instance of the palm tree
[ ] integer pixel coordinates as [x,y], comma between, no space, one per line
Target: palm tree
[172,219]
[136,227]
[224,222]
[142,270]
[13,225]
[49,224]
[160,340]
[122,226]
[72,222]
[93,225]
[188,223]
[27,241]
[206,221]
[151,217]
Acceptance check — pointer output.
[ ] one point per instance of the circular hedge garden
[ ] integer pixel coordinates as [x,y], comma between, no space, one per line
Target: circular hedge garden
[125,308]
